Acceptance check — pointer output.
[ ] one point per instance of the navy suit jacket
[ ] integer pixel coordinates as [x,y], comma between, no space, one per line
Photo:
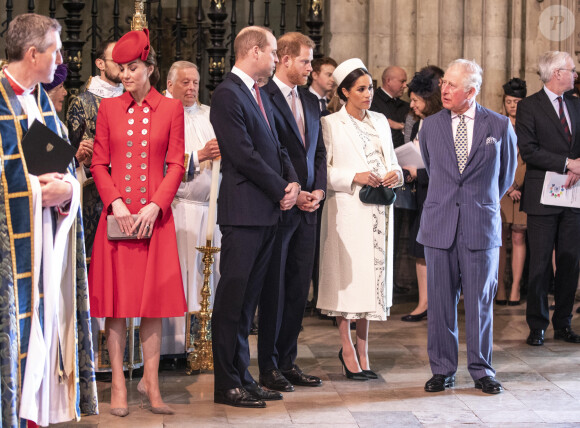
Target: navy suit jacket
[471,198]
[544,146]
[255,167]
[309,159]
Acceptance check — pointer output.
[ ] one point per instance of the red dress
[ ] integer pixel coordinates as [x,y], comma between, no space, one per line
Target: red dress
[138,278]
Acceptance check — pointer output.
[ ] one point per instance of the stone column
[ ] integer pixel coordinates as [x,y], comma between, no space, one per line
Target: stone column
[494,53]
[348,28]
[403,18]
[428,24]
[381,37]
[451,29]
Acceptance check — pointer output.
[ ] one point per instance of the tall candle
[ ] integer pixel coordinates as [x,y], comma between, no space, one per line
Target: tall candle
[213,192]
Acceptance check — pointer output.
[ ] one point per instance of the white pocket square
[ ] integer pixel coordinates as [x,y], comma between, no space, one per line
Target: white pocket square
[490,140]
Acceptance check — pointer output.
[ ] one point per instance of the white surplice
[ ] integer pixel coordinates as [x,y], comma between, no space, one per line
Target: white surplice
[190,212]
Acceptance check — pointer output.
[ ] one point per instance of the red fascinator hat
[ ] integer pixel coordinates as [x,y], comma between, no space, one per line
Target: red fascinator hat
[133,45]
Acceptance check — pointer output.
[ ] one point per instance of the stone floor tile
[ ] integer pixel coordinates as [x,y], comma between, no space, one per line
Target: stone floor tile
[315,413]
[386,419]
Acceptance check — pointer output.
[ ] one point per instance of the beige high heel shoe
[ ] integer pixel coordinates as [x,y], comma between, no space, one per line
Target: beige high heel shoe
[119,411]
[162,410]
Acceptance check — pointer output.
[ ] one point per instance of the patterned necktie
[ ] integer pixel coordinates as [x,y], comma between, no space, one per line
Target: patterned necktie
[259,100]
[322,102]
[563,120]
[296,114]
[461,143]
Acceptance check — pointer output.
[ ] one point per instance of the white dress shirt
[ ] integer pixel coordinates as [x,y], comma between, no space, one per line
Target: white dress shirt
[248,81]
[469,121]
[287,92]
[554,99]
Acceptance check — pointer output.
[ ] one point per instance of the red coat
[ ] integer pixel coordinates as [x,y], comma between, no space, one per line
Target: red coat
[138,278]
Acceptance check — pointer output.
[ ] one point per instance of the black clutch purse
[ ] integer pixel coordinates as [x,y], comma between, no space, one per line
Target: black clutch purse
[377,195]
[406,197]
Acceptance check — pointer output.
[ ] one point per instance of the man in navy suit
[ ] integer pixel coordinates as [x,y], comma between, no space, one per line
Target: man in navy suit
[548,129]
[258,183]
[470,156]
[283,299]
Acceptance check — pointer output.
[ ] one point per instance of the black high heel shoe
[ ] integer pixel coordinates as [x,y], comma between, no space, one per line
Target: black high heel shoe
[348,373]
[414,318]
[501,302]
[368,373]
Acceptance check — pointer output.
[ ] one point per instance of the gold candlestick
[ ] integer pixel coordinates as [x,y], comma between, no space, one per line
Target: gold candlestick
[201,358]
[139,21]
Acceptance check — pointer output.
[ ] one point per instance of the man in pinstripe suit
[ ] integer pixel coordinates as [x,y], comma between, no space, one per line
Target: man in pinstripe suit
[470,155]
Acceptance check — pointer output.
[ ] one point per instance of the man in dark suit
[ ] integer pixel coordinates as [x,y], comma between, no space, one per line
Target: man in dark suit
[322,83]
[470,156]
[387,100]
[548,130]
[258,183]
[281,308]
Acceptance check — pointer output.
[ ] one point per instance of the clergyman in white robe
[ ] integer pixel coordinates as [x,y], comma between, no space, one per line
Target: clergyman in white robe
[190,212]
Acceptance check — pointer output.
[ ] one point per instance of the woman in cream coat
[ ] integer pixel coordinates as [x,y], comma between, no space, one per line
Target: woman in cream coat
[356,261]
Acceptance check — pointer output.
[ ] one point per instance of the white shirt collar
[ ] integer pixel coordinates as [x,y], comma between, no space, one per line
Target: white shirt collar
[552,95]
[469,114]
[284,88]
[248,81]
[316,93]
[189,109]
[389,95]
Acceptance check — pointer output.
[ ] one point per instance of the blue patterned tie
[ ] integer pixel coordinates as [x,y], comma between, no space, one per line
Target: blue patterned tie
[461,143]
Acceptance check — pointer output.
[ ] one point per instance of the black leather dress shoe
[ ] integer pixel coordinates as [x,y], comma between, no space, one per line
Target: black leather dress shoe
[414,318]
[273,379]
[489,385]
[536,338]
[262,394]
[237,397]
[297,377]
[567,335]
[439,382]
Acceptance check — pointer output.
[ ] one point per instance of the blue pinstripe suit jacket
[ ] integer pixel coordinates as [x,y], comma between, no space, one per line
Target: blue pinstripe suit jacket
[472,198]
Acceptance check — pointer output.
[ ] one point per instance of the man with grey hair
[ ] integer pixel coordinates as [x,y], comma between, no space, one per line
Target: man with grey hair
[45,331]
[548,130]
[470,156]
[190,205]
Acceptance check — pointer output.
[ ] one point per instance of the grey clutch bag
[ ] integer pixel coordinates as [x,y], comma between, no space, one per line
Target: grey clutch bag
[114,232]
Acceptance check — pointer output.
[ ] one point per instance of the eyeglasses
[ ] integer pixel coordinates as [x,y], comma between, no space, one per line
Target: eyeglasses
[571,70]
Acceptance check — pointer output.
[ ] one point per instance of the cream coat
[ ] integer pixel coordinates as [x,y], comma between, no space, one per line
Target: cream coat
[347,274]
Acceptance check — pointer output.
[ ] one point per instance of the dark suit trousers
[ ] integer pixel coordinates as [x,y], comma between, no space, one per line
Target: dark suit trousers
[245,255]
[545,232]
[284,296]
[448,273]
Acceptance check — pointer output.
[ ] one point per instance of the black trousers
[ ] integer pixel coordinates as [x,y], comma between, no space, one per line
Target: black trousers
[245,255]
[545,232]
[284,296]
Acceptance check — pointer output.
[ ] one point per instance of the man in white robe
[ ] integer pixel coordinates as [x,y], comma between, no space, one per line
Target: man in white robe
[190,206]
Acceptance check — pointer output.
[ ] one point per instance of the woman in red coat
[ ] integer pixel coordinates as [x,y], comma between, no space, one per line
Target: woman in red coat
[137,134]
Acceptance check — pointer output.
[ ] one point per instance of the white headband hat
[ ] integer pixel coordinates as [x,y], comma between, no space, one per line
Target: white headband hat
[345,68]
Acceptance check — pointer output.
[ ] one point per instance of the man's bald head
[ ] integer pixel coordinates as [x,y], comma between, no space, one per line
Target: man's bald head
[394,81]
